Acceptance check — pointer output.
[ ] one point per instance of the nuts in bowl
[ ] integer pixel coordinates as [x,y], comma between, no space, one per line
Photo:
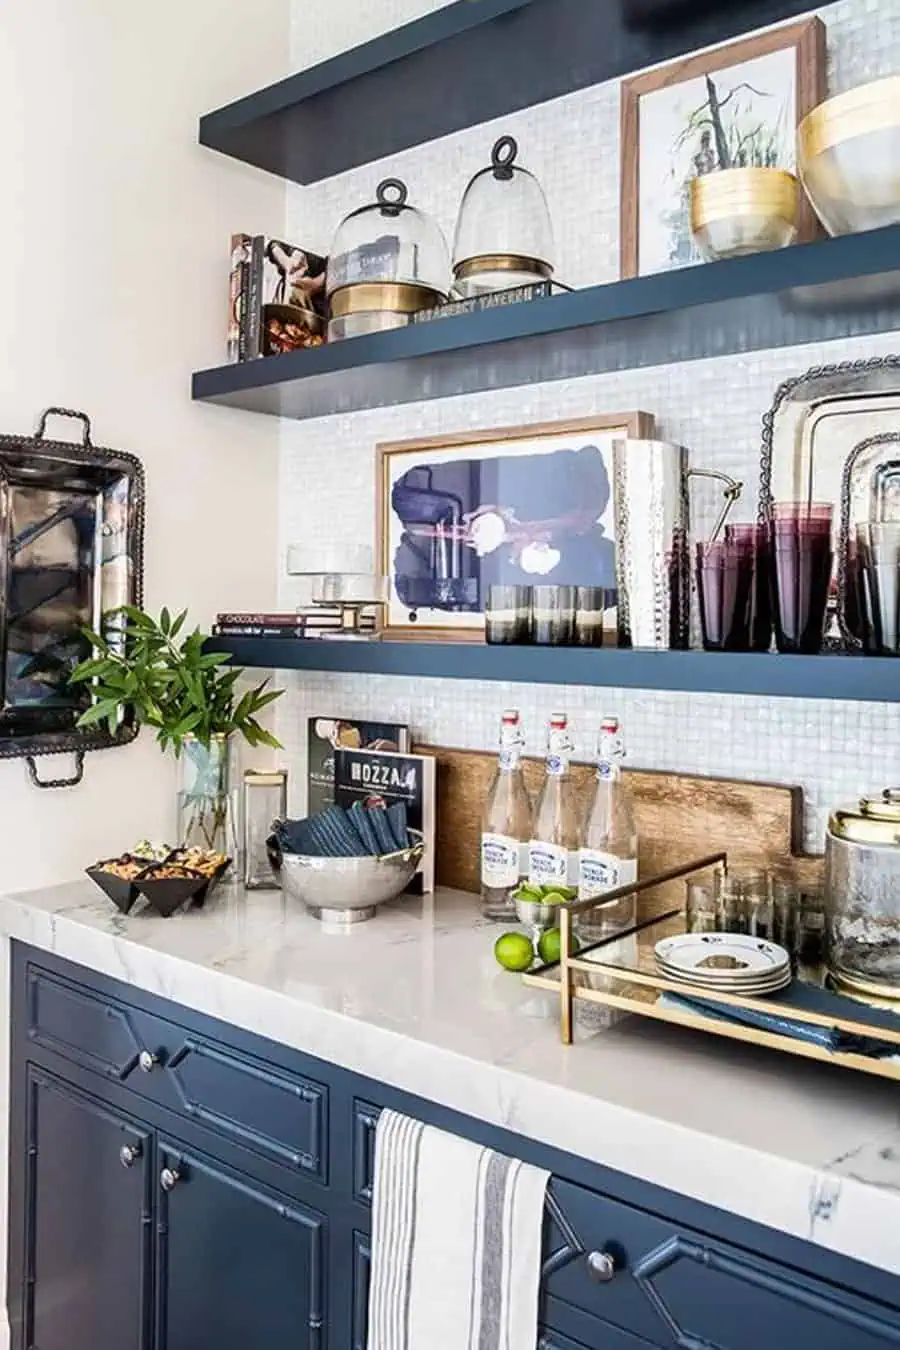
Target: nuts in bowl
[167,878]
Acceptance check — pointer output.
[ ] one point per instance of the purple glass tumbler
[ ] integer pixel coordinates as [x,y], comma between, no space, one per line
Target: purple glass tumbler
[755,589]
[717,584]
[802,562]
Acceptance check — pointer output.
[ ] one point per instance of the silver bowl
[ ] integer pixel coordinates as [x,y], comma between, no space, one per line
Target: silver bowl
[348,890]
[537,914]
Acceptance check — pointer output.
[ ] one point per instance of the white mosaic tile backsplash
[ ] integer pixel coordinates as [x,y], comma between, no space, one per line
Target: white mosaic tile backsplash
[833,750]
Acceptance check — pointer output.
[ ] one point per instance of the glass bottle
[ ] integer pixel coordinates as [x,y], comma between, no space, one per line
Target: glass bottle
[506,826]
[553,850]
[608,857]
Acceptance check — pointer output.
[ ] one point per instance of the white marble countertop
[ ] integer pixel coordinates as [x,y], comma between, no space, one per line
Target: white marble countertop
[416,1000]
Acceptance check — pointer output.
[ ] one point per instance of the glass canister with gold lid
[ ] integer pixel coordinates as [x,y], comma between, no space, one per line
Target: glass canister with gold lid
[388,260]
[862,896]
[504,235]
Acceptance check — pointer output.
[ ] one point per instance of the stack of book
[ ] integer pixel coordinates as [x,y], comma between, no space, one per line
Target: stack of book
[325,621]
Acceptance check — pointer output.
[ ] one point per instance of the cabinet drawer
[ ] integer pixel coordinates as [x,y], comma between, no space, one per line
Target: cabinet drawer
[675,1287]
[648,1278]
[280,1115]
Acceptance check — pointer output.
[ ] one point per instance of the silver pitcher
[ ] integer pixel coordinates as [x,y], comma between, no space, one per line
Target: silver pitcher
[653,541]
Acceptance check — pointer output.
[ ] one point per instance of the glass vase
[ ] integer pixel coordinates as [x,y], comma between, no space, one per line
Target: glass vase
[207,798]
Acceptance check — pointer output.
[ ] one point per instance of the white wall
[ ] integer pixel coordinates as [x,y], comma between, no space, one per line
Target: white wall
[833,750]
[116,227]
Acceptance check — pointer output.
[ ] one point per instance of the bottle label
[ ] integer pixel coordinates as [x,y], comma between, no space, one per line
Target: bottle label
[551,864]
[500,860]
[556,765]
[601,872]
[510,755]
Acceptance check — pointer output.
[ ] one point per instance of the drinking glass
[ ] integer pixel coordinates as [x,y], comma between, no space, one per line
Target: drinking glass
[591,604]
[507,614]
[756,903]
[552,615]
[879,544]
[733,586]
[785,904]
[752,543]
[701,907]
[802,561]
[718,583]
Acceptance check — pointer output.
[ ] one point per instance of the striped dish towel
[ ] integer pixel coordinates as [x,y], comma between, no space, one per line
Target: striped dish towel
[456,1243]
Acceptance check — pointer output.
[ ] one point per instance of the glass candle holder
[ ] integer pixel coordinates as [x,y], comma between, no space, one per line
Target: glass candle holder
[265,802]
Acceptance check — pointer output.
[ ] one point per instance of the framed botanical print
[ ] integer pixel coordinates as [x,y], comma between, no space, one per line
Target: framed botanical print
[516,506]
[736,106]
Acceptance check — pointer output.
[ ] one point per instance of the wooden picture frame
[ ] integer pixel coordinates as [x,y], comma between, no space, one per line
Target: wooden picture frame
[806,38]
[453,618]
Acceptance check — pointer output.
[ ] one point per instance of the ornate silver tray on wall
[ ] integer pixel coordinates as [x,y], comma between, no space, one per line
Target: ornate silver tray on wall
[71,550]
[812,429]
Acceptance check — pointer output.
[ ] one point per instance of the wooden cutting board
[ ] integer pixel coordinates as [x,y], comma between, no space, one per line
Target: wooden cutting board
[679,817]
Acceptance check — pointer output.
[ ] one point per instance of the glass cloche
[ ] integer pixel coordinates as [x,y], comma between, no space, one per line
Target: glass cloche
[504,235]
[387,261]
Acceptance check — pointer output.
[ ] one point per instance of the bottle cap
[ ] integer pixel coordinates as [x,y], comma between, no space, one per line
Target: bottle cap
[610,724]
[559,720]
[511,715]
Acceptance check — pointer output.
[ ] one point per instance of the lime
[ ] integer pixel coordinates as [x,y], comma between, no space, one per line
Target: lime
[550,946]
[514,951]
[552,897]
[528,890]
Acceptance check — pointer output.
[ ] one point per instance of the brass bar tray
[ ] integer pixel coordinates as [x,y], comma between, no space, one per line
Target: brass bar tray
[621,972]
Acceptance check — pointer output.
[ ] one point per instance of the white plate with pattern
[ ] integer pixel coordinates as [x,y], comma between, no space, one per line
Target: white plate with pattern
[734,958]
[745,989]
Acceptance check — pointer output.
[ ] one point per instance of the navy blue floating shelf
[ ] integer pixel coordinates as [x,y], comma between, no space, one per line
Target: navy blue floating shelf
[856,678]
[469,62]
[815,292]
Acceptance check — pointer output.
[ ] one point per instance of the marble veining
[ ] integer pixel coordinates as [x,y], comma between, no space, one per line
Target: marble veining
[415,1000]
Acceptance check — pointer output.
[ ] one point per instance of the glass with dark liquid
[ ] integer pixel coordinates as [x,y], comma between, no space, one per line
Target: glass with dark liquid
[802,562]
[733,585]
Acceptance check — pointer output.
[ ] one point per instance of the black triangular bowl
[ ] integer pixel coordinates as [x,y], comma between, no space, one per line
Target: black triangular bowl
[168,894]
[210,885]
[122,893]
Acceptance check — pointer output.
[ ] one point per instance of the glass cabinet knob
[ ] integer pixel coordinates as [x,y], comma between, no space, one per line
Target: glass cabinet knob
[147,1061]
[129,1154]
[601,1267]
[169,1178]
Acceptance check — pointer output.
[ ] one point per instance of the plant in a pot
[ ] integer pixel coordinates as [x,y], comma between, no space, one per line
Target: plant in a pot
[191,698]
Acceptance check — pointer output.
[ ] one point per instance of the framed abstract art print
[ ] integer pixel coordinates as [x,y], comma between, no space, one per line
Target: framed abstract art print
[521,506]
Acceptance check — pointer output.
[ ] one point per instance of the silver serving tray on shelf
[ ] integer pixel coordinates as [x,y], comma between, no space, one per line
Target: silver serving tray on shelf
[810,433]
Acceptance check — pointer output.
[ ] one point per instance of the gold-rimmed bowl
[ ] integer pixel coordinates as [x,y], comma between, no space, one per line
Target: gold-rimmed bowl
[848,155]
[739,211]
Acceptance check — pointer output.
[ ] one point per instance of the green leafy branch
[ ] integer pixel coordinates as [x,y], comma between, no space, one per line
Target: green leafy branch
[173,685]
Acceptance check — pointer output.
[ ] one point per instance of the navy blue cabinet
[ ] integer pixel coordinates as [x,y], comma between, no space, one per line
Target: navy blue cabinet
[85,1233]
[177,1184]
[237,1265]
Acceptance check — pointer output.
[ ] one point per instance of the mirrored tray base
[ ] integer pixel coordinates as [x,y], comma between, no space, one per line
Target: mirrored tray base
[621,973]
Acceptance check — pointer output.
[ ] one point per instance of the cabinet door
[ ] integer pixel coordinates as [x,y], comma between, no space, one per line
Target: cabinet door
[87,1226]
[238,1265]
